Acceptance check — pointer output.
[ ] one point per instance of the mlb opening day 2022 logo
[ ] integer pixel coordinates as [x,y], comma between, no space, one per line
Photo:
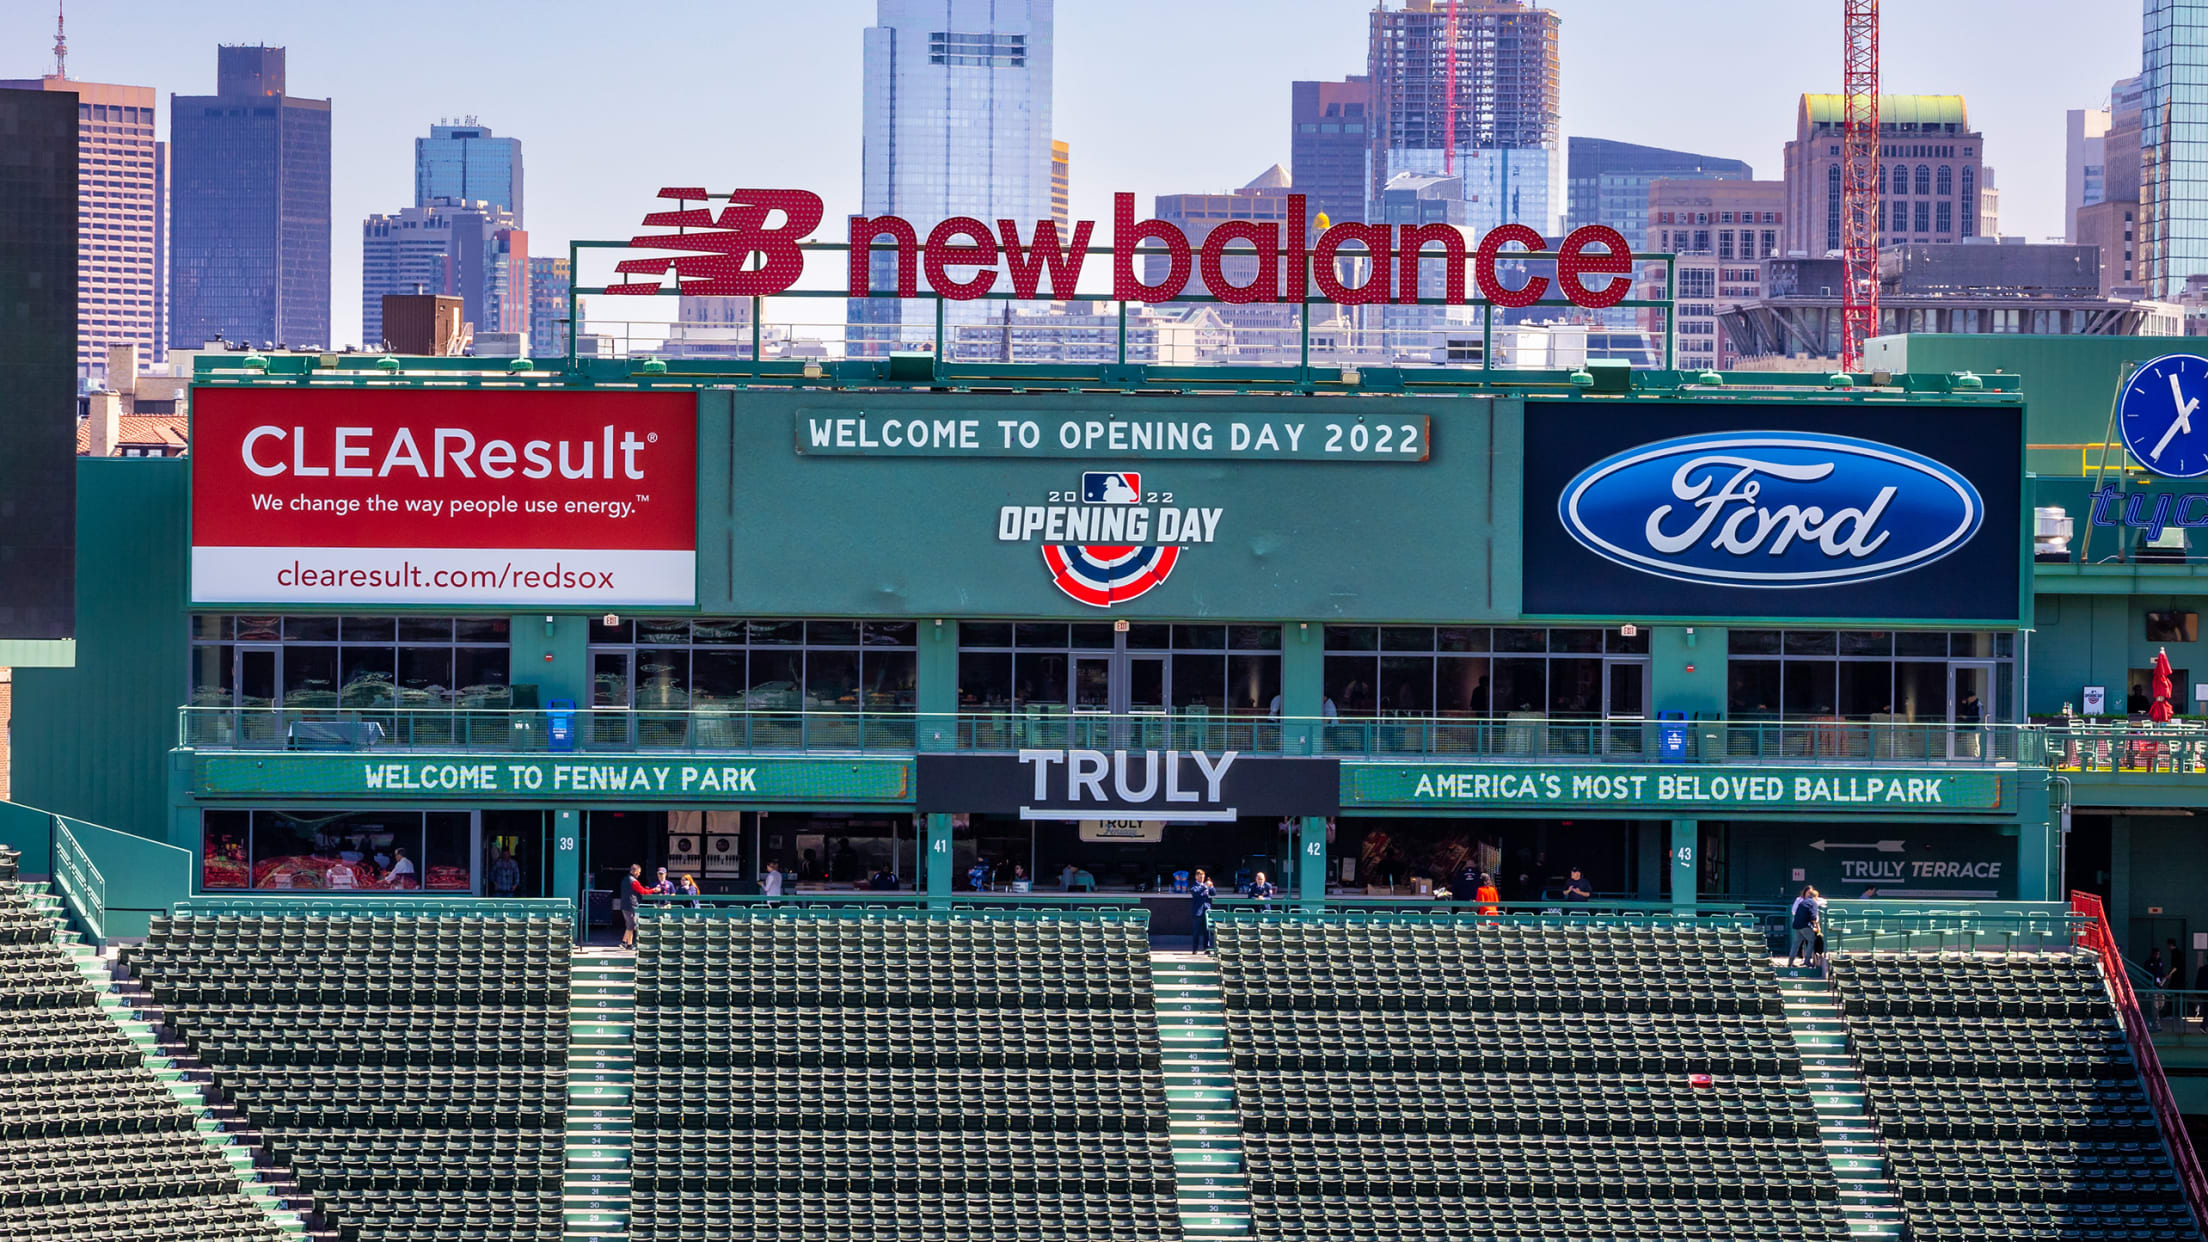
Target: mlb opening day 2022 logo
[1109,540]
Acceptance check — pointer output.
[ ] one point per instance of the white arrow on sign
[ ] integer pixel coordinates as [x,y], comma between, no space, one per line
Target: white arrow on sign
[1883,847]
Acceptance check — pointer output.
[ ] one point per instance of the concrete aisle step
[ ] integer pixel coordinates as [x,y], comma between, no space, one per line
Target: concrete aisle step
[1853,1146]
[1211,1181]
[601,1073]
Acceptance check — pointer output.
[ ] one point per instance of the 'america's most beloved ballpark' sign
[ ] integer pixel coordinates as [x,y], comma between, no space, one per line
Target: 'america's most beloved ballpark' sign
[961,256]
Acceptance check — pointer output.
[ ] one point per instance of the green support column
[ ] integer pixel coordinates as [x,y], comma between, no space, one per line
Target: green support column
[1685,841]
[2119,880]
[937,869]
[2037,871]
[935,684]
[566,675]
[1302,684]
[567,859]
[1311,863]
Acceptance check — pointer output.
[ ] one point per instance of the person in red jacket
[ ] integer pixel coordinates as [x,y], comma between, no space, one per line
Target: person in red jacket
[637,890]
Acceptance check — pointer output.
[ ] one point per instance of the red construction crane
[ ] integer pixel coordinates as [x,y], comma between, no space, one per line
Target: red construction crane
[1859,182]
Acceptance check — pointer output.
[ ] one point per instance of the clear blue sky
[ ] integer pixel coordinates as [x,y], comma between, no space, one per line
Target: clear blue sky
[1155,96]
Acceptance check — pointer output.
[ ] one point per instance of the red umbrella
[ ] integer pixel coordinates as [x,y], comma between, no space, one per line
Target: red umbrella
[2161,711]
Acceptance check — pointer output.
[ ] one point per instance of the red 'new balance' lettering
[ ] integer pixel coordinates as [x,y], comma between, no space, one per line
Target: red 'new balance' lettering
[959,256]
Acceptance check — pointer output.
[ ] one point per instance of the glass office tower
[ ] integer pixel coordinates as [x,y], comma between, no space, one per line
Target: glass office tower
[2173,139]
[957,123]
[467,163]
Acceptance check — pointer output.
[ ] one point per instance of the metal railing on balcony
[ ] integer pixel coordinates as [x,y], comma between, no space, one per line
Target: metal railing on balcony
[2127,748]
[1520,738]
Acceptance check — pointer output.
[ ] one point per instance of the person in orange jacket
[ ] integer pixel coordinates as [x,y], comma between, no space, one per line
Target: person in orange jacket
[1487,895]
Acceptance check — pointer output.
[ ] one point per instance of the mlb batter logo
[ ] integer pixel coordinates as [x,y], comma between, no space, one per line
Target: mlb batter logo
[1111,487]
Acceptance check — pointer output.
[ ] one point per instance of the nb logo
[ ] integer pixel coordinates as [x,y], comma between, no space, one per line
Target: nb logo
[725,244]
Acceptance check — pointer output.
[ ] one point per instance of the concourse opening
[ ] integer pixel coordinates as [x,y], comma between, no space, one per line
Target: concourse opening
[1530,859]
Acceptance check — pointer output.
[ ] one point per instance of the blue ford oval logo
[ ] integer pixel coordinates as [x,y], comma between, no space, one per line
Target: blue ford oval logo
[1771,509]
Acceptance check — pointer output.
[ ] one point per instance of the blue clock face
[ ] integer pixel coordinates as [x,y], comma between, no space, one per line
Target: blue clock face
[2162,418]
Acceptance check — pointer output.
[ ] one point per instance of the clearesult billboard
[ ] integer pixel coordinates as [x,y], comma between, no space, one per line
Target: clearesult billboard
[385,496]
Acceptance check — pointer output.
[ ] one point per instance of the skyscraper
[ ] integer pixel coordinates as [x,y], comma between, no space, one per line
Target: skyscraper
[472,250]
[120,183]
[548,285]
[957,122]
[1608,182]
[1328,146]
[1492,125]
[250,208]
[2084,164]
[1061,184]
[2173,145]
[467,163]
[1932,173]
[2112,221]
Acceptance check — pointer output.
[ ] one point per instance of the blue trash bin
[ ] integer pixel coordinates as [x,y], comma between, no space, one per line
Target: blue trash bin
[559,724]
[1671,737]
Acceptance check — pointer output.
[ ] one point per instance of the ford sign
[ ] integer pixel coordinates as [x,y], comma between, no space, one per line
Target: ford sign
[1771,509]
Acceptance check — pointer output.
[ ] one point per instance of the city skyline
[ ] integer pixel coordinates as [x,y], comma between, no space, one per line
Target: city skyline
[598,153]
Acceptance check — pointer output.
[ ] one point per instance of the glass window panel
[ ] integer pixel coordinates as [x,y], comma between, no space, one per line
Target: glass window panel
[831,633]
[223,839]
[985,679]
[777,633]
[717,678]
[2004,643]
[1042,677]
[210,625]
[260,629]
[1920,690]
[1350,683]
[1093,637]
[1352,638]
[1038,635]
[1575,640]
[1970,645]
[1866,643]
[1520,686]
[1752,689]
[310,676]
[1149,637]
[446,848]
[1920,643]
[1407,684]
[1811,642]
[423,629]
[662,633]
[620,632]
[1253,682]
[481,629]
[1200,681]
[984,634]
[1753,642]
[890,680]
[310,629]
[1866,689]
[831,680]
[718,631]
[1200,637]
[1462,638]
[1618,644]
[777,680]
[425,676]
[479,677]
[1460,686]
[369,629]
[211,675]
[1254,637]
[1521,640]
[1808,687]
[889,633]
[1575,687]
[1407,638]
[370,675]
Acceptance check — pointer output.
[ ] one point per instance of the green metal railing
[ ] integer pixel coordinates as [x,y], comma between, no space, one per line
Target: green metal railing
[1521,738]
[2128,748]
[1966,927]
[80,881]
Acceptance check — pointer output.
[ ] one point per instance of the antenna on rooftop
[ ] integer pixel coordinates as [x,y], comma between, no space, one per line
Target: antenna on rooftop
[61,41]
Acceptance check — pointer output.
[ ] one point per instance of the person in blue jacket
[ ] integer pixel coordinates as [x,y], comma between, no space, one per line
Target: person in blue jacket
[1200,892]
[1260,889]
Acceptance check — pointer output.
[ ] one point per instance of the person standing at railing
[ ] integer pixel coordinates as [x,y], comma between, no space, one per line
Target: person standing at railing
[1489,897]
[1260,889]
[1200,893]
[1806,919]
[770,884]
[1577,888]
[688,888]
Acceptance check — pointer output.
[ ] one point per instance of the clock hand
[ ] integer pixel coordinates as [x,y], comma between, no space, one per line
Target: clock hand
[2183,423]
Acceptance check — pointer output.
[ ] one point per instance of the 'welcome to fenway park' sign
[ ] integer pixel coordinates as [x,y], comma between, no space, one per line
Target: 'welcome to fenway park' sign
[556,777]
[961,256]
